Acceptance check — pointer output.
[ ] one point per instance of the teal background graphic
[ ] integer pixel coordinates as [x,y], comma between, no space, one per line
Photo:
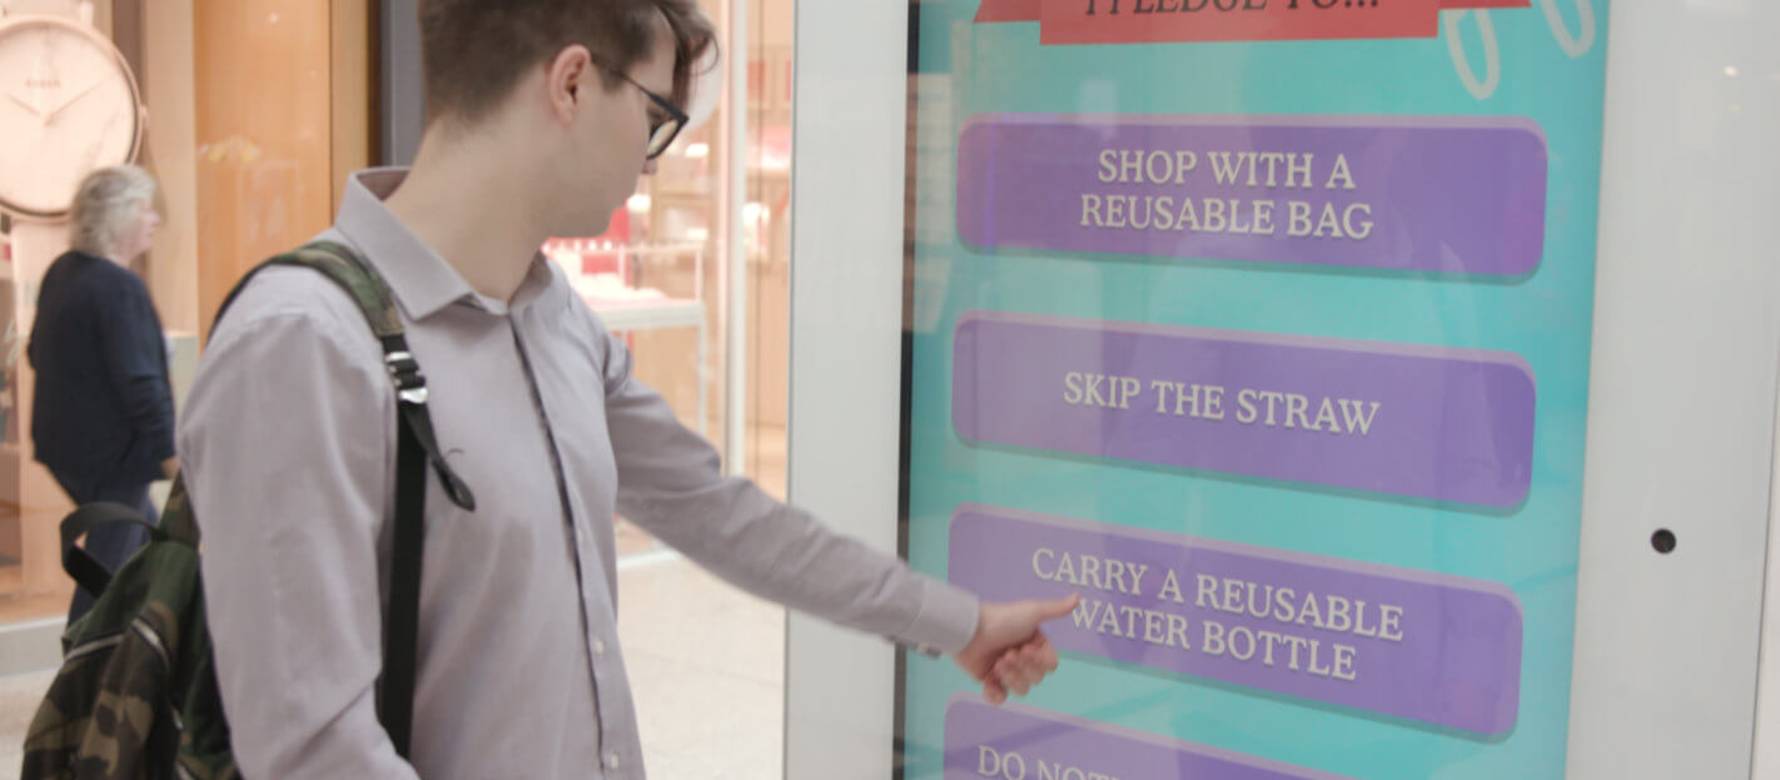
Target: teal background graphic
[965,69]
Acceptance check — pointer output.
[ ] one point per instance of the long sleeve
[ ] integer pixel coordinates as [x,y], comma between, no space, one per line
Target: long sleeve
[669,483]
[286,448]
[135,359]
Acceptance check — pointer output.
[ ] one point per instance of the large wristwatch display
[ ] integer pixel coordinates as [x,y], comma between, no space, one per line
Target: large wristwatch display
[68,104]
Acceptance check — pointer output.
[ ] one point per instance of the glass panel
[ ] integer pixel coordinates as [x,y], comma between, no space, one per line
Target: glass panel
[16,601]
[265,164]
[766,220]
[654,277]
[1264,327]
[222,153]
[661,275]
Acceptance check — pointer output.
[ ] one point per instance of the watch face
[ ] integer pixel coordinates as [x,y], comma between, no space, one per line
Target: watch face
[68,105]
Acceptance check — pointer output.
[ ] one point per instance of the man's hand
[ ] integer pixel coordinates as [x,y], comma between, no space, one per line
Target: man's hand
[170,467]
[1009,654]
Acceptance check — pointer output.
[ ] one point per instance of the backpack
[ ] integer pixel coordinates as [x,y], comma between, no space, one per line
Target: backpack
[137,696]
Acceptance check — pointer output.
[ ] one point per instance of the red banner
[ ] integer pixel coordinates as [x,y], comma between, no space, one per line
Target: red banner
[1166,21]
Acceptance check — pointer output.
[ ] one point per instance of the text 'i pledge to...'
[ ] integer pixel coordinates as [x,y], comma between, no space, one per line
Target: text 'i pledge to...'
[1353,192]
[1417,422]
[1440,650]
[1159,21]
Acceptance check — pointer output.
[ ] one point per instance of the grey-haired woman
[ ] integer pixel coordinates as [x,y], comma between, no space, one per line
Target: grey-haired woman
[102,419]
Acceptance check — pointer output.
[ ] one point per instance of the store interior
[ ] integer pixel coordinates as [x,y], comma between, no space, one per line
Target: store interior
[244,173]
[693,273]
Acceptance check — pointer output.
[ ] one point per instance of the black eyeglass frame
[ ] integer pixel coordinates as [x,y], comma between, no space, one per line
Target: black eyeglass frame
[677,117]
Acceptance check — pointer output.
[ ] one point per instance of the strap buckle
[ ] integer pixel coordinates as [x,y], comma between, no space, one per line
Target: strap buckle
[405,372]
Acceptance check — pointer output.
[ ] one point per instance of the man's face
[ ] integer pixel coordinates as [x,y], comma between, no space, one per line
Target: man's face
[610,138]
[139,234]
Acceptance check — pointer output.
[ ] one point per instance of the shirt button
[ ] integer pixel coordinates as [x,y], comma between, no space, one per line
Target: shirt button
[599,647]
[612,761]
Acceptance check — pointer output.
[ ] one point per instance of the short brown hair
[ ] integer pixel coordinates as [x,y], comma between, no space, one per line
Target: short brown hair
[474,51]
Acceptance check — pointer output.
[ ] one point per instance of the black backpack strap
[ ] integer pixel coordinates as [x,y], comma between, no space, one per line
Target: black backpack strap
[87,572]
[401,623]
[416,448]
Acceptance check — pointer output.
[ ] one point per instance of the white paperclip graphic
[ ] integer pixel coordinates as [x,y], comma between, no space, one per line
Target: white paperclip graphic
[1577,45]
[1492,59]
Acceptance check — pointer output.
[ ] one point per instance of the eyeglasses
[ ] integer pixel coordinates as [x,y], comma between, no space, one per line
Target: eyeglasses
[662,129]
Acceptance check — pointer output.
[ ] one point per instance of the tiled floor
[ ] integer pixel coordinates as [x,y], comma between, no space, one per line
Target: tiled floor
[706,663]
[19,694]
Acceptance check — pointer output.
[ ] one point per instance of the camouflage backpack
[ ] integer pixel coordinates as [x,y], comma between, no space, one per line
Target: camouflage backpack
[137,695]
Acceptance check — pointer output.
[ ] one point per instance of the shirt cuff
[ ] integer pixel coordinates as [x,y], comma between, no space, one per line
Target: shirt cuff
[156,456]
[947,621]
[163,449]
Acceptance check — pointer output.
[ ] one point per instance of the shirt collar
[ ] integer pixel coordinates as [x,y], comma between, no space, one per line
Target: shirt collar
[423,283]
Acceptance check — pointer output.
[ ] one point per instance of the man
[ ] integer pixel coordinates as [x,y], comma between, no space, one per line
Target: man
[543,112]
[102,418]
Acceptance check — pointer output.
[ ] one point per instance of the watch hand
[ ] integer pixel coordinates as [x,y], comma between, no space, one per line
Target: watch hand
[51,116]
[25,105]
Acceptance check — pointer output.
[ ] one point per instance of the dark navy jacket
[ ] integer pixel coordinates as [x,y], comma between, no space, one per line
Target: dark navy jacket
[103,412]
